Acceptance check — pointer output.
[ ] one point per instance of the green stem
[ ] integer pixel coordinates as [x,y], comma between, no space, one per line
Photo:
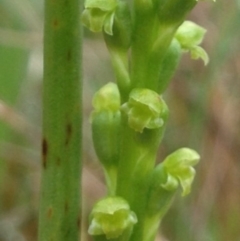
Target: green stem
[144,34]
[175,11]
[154,29]
[120,65]
[153,221]
[61,146]
[137,159]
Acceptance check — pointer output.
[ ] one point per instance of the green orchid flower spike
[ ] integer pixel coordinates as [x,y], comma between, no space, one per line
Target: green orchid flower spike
[179,169]
[145,40]
[190,35]
[112,217]
[99,15]
[145,109]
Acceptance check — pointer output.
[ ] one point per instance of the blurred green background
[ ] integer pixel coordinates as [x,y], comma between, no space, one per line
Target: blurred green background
[205,115]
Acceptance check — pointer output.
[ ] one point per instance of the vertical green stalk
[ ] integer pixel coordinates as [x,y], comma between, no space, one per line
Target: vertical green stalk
[143,36]
[136,162]
[145,49]
[61,145]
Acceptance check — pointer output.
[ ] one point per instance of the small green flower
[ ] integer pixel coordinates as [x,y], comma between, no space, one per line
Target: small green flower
[111,217]
[107,98]
[190,35]
[179,169]
[99,15]
[145,109]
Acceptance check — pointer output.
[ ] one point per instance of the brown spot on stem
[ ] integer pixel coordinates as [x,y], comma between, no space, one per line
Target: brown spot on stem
[79,222]
[49,212]
[58,161]
[44,152]
[55,23]
[68,133]
[69,55]
[66,207]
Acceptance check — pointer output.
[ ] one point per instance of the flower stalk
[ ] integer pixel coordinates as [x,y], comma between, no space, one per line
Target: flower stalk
[146,40]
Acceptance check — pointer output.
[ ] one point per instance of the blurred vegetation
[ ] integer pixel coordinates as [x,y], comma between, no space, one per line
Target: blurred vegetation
[204,104]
